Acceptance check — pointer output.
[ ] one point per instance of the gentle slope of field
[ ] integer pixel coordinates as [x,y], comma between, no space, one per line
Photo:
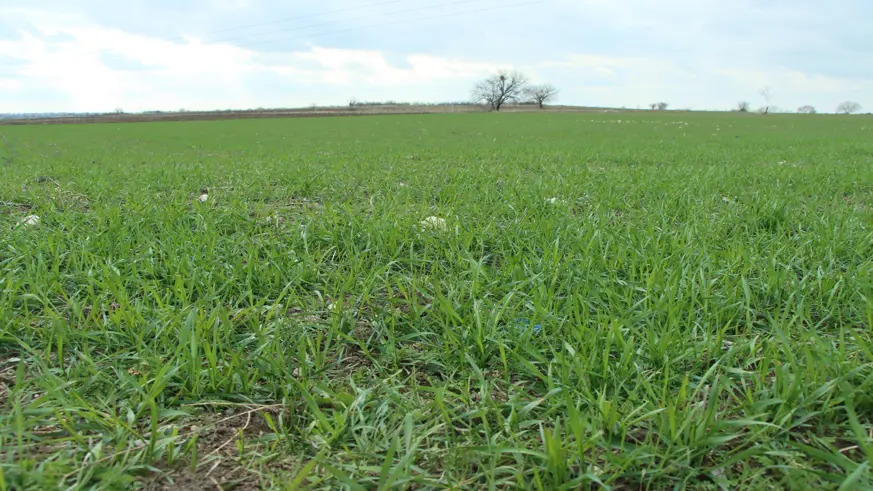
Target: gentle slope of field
[307,112]
[693,309]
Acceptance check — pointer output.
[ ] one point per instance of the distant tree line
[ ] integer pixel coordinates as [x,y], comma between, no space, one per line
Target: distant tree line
[357,103]
[848,107]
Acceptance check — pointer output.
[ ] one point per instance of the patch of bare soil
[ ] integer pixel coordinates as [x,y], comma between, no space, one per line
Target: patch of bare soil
[220,466]
[200,480]
[12,208]
[296,113]
[7,377]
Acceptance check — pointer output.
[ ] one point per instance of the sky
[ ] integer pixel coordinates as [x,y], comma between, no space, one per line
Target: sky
[140,55]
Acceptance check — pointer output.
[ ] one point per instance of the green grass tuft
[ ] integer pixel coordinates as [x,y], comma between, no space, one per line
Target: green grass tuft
[703,285]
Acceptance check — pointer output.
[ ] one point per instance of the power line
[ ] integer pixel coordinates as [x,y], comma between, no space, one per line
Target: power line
[297,28]
[307,16]
[356,28]
[502,7]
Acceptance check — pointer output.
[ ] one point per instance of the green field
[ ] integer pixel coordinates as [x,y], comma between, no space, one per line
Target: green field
[692,310]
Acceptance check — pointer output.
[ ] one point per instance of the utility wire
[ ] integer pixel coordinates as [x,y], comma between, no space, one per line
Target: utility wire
[502,7]
[356,28]
[297,28]
[307,16]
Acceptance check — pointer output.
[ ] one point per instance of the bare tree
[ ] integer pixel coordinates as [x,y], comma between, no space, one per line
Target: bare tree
[806,110]
[767,94]
[500,88]
[653,105]
[849,107]
[662,106]
[540,94]
[743,106]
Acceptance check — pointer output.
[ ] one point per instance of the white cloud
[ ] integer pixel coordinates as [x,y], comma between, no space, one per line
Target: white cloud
[343,67]
[634,81]
[156,73]
[794,81]
[65,62]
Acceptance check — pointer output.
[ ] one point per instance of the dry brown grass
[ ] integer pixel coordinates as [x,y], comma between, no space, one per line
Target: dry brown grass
[294,113]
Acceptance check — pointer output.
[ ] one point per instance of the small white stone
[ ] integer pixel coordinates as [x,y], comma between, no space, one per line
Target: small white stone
[28,221]
[434,223]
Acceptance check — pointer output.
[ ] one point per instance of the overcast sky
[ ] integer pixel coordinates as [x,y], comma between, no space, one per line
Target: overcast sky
[96,55]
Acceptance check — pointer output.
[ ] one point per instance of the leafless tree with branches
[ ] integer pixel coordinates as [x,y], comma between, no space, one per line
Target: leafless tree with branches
[767,94]
[806,109]
[849,107]
[500,88]
[540,94]
[743,106]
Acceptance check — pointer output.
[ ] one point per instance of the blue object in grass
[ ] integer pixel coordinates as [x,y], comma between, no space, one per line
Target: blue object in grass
[523,325]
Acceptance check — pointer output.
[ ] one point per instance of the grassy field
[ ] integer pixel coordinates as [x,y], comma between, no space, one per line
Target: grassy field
[626,301]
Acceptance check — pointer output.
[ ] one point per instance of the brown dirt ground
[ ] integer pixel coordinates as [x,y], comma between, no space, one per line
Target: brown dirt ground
[220,467]
[290,113]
